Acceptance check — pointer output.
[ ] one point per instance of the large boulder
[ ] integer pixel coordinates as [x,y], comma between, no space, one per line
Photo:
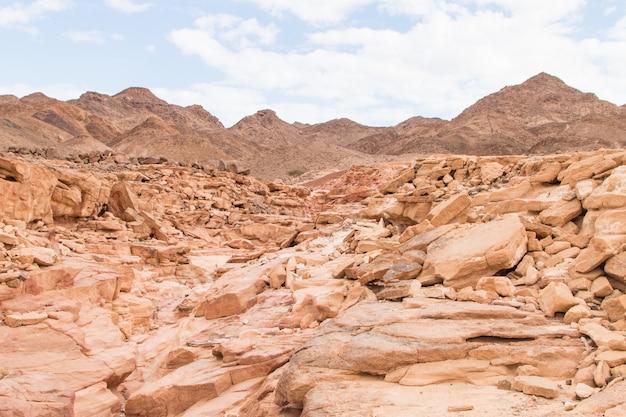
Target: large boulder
[462,256]
[26,191]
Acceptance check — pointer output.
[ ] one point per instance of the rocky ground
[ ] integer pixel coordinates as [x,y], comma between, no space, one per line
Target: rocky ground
[441,286]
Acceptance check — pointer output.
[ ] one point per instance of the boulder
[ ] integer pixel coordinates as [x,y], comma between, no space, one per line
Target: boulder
[79,193]
[464,255]
[25,394]
[556,298]
[26,191]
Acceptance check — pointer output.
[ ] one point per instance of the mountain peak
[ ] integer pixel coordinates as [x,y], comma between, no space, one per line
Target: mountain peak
[139,94]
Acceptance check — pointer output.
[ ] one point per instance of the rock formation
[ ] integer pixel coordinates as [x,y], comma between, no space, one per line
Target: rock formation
[164,289]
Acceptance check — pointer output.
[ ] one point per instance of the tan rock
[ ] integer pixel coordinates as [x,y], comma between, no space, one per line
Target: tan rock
[601,374]
[461,257]
[611,193]
[599,250]
[79,193]
[561,212]
[601,287]
[446,211]
[556,298]
[576,313]
[41,256]
[615,307]
[474,371]
[602,336]
[178,390]
[615,267]
[35,394]
[583,391]
[25,319]
[233,293]
[26,191]
[498,284]
[491,171]
[96,401]
[536,385]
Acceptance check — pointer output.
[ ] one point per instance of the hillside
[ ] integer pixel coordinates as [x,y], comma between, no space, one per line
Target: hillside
[540,115]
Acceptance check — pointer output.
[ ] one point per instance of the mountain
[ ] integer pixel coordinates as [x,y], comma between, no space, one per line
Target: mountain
[540,115]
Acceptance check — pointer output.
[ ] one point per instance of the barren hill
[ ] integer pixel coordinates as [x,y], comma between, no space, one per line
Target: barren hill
[541,115]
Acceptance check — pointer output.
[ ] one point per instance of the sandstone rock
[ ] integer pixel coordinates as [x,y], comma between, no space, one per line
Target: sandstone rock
[26,191]
[445,212]
[35,394]
[462,256]
[536,385]
[615,307]
[475,371]
[96,401]
[583,391]
[41,256]
[232,294]
[611,193]
[561,212]
[79,193]
[500,285]
[615,267]
[599,250]
[556,298]
[602,336]
[601,287]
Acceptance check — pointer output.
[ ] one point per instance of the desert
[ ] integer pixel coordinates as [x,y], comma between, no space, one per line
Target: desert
[155,263]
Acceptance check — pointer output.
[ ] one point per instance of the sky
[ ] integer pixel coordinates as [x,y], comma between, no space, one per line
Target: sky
[377,62]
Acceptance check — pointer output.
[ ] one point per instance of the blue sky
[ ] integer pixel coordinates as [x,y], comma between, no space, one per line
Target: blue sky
[377,62]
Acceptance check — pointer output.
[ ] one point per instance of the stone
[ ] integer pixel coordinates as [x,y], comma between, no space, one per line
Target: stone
[599,250]
[556,298]
[232,293]
[561,212]
[576,313]
[464,255]
[583,391]
[602,336]
[612,358]
[615,267]
[35,394]
[446,211]
[79,193]
[611,193]
[601,287]
[96,401]
[615,307]
[41,256]
[475,371]
[500,285]
[536,385]
[26,191]
[601,374]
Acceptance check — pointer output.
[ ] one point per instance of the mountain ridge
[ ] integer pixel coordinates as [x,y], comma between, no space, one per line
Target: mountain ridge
[540,115]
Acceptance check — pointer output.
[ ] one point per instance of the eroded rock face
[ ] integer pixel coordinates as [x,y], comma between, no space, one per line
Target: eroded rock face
[186,291]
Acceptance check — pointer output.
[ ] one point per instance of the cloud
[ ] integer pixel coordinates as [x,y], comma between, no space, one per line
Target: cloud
[229,104]
[313,11]
[20,16]
[127,6]
[451,54]
[92,36]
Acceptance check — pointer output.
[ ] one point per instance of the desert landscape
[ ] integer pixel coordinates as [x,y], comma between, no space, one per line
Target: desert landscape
[155,263]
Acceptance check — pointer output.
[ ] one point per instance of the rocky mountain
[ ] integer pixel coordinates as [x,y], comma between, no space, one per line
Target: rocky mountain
[541,115]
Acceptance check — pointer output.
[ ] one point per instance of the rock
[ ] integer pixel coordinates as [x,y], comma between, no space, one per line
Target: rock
[35,394]
[536,385]
[232,293]
[611,193]
[445,212]
[615,267]
[26,191]
[602,336]
[615,307]
[556,298]
[583,391]
[560,213]
[461,257]
[25,319]
[79,193]
[96,401]
[500,285]
[599,250]
[475,371]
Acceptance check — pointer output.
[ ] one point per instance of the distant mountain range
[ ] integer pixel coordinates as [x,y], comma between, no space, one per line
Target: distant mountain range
[541,115]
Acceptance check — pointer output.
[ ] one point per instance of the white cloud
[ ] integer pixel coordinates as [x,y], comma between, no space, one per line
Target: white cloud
[237,31]
[455,53]
[127,6]
[313,11]
[90,36]
[60,91]
[229,104]
[151,48]
[20,16]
